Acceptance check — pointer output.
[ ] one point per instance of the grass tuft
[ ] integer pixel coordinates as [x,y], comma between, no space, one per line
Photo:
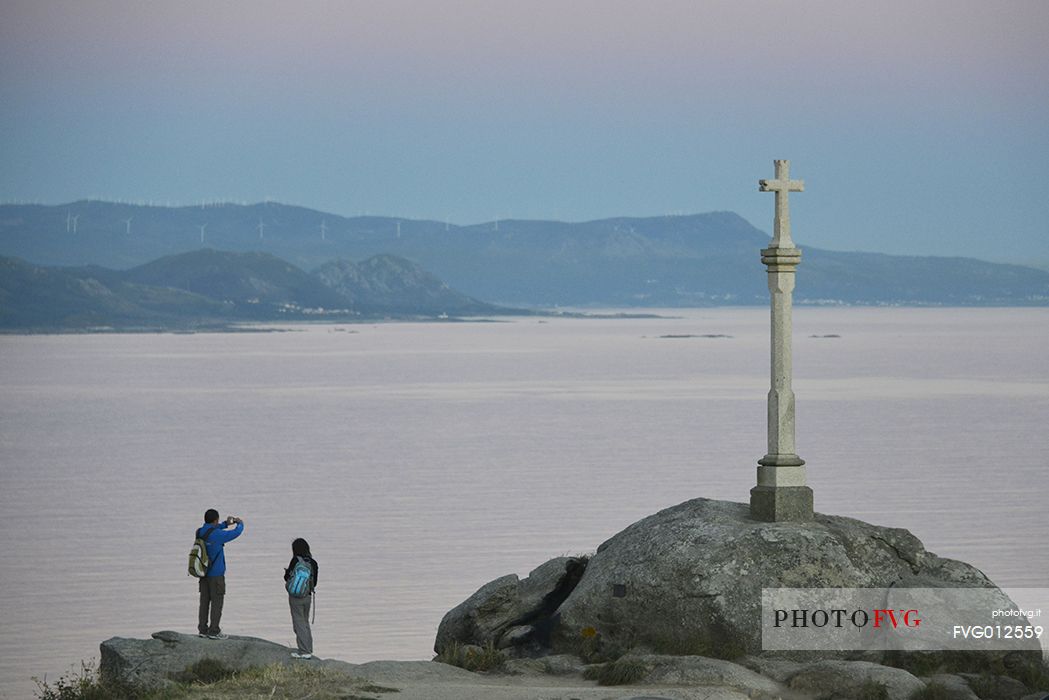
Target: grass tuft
[276,681]
[472,658]
[373,688]
[1033,675]
[1029,669]
[204,672]
[87,684]
[288,682]
[619,672]
[933,691]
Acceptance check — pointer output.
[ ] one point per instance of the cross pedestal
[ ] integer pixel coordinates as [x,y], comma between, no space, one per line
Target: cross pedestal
[781,493]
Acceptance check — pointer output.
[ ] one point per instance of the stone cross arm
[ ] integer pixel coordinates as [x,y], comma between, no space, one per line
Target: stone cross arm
[781,185]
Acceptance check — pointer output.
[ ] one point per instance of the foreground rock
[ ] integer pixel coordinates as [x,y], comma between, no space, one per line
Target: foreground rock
[687,583]
[154,662]
[157,662]
[510,611]
[699,671]
[688,579]
[835,679]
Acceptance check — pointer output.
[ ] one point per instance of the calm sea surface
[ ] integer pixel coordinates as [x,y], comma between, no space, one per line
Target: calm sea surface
[423,460]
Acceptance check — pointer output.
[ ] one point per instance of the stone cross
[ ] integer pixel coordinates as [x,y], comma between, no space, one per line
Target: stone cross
[782,186]
[781,493]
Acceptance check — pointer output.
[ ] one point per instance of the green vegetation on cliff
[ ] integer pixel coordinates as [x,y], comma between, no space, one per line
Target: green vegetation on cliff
[210,679]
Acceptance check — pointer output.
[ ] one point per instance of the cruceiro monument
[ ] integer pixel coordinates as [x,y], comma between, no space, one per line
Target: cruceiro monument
[681,593]
[781,493]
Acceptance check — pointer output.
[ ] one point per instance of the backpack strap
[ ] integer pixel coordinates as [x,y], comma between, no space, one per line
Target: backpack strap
[313,592]
[204,539]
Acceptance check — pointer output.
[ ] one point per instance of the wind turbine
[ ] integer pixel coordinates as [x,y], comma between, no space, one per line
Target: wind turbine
[128,222]
[261,227]
[69,221]
[202,227]
[324,230]
[398,229]
[75,219]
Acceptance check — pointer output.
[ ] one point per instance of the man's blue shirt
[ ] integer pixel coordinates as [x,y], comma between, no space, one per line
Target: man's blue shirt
[216,554]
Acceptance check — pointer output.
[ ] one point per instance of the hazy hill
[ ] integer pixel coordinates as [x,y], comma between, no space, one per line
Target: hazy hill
[243,278]
[388,283]
[209,287]
[660,261]
[43,298]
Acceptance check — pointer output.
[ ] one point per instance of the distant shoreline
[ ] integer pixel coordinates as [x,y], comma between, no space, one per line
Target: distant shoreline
[291,326]
[294,326]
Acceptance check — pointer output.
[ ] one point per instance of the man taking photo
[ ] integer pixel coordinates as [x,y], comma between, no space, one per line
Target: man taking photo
[213,585]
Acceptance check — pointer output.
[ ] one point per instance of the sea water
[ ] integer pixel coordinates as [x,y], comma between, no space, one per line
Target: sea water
[421,460]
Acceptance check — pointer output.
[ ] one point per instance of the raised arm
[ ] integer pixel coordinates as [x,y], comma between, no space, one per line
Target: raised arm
[226,534]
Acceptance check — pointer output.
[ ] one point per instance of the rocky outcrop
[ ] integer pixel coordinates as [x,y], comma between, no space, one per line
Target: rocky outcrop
[680,590]
[154,662]
[835,679]
[993,686]
[700,671]
[689,578]
[158,661]
[512,612]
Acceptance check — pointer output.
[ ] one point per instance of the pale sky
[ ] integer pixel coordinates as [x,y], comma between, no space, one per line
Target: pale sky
[919,127]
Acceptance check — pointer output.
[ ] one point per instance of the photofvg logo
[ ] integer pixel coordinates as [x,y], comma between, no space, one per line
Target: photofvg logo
[839,617]
[906,619]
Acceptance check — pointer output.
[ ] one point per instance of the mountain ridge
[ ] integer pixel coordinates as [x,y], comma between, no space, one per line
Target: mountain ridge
[210,288]
[685,260]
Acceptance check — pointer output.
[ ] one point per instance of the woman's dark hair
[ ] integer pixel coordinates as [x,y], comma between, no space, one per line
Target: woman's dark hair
[211,515]
[301,548]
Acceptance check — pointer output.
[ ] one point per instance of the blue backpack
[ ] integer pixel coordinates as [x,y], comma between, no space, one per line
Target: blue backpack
[298,584]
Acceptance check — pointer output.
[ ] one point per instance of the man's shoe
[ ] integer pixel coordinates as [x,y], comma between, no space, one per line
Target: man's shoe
[297,655]
[202,635]
[220,635]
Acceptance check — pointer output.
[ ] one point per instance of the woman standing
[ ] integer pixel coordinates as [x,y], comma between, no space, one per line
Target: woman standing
[300,579]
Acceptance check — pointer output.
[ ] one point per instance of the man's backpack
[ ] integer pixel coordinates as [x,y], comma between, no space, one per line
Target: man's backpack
[298,583]
[199,563]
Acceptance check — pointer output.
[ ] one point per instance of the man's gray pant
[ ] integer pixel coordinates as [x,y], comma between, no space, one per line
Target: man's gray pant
[300,620]
[212,593]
